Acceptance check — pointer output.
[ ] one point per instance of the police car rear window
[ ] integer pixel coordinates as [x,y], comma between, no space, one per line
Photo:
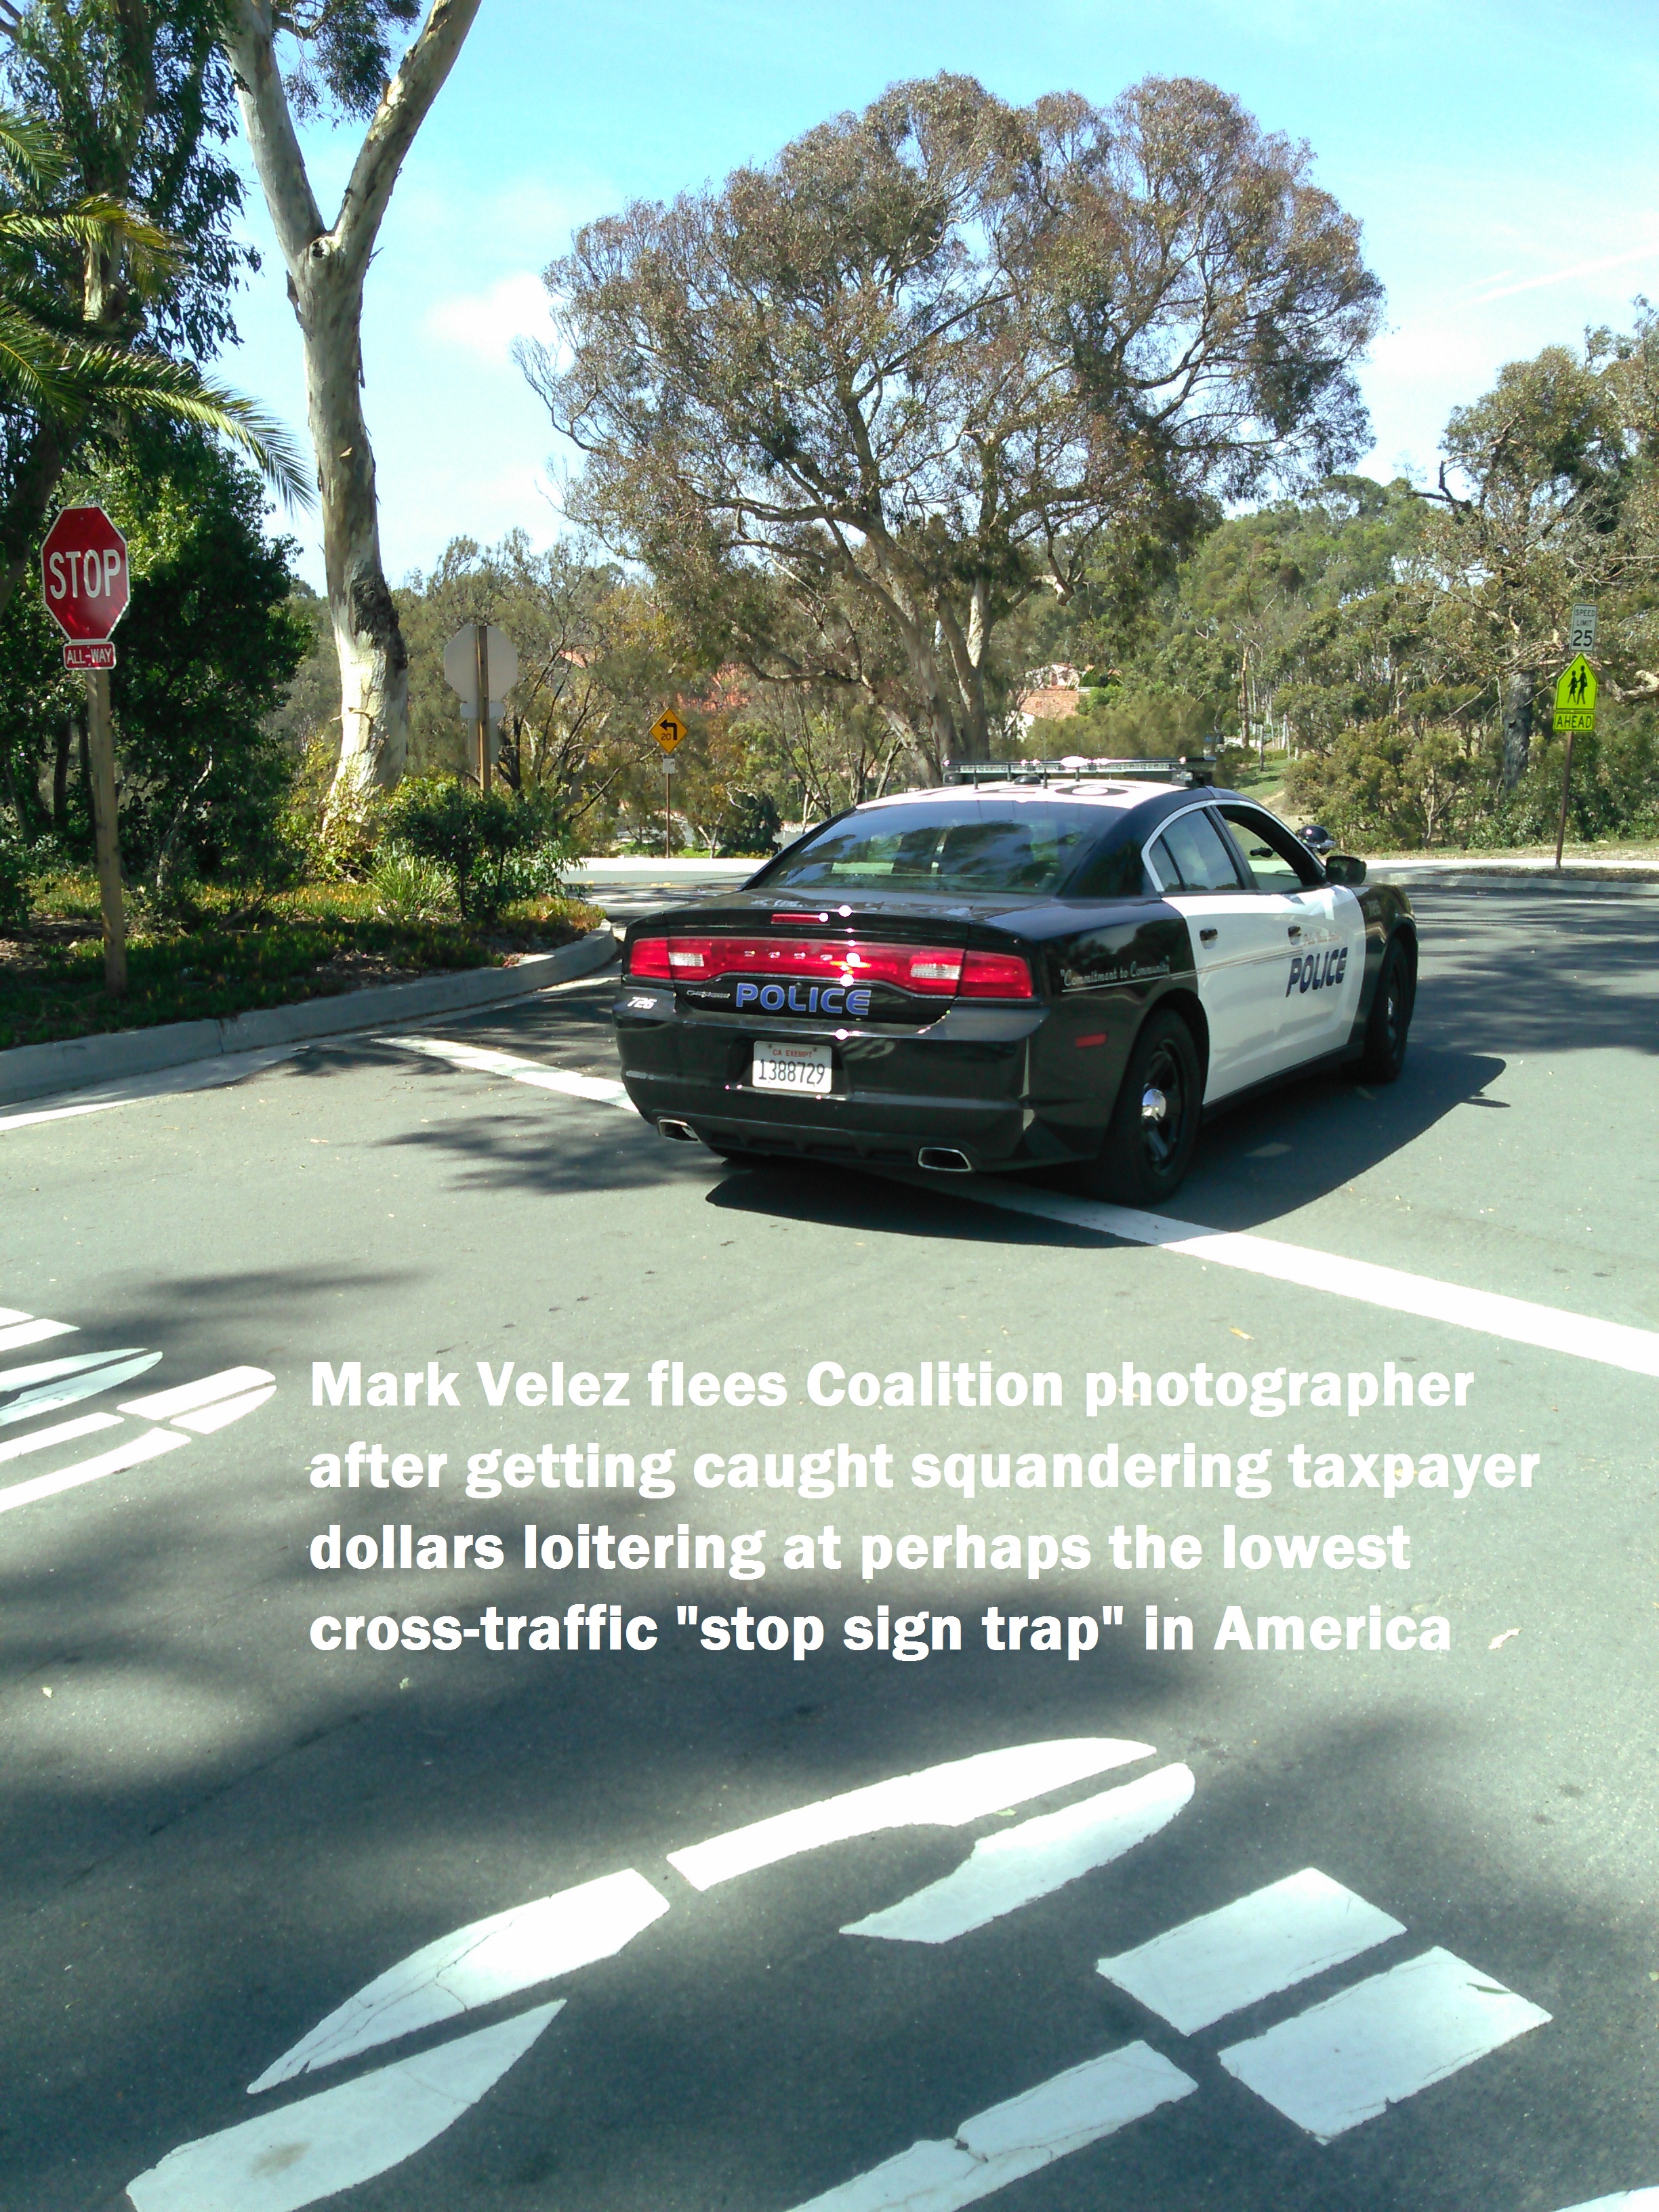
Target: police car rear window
[1191,856]
[962,845]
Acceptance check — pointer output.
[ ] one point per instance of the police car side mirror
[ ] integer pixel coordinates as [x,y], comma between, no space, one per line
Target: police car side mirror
[1344,868]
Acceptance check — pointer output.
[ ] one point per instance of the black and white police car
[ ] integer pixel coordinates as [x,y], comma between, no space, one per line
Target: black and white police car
[1014,976]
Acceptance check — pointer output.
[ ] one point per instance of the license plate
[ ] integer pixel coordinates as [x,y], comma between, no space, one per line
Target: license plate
[803,1067]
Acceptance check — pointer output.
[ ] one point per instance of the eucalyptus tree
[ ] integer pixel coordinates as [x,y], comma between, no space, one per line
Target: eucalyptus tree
[342,53]
[1546,495]
[942,355]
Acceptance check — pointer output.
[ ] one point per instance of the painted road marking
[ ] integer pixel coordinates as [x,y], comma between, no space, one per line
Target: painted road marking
[946,1796]
[52,1384]
[200,1407]
[66,1433]
[1383,2040]
[602,1090]
[477,1966]
[1627,2200]
[191,1397]
[33,1331]
[1250,1949]
[1011,2140]
[196,1075]
[1039,1856]
[150,1445]
[1549,1328]
[290,2157]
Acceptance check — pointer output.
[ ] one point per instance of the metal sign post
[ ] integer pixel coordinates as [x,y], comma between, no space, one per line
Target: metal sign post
[668,731]
[86,583]
[481,666]
[1575,710]
[481,655]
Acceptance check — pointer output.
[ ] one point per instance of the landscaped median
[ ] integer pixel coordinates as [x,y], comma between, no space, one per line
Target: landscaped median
[229,956]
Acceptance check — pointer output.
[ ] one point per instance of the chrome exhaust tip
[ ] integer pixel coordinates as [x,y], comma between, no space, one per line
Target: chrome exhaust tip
[945,1159]
[681,1131]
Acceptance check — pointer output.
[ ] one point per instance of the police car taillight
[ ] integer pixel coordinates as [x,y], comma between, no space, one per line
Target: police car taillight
[648,956]
[995,976]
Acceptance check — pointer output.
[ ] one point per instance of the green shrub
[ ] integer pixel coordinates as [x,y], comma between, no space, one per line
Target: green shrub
[497,846]
[408,889]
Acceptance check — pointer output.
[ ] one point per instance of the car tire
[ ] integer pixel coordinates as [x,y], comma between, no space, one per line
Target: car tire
[1146,1152]
[1386,1032]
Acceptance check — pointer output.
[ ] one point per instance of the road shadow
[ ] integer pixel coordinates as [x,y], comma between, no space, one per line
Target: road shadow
[1253,1166]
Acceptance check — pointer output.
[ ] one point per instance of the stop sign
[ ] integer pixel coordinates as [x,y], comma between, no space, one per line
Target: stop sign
[83,571]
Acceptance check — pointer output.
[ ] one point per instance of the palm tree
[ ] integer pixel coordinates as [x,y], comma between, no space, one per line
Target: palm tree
[72,372]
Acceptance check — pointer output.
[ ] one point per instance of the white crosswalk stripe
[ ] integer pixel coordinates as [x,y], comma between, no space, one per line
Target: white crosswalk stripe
[1382,2041]
[1002,2145]
[1250,1949]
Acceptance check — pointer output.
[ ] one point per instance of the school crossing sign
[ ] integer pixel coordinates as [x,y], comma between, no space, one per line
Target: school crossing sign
[1575,697]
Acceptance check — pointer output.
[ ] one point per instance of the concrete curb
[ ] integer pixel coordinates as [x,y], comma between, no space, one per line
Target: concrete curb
[1517,869]
[41,1071]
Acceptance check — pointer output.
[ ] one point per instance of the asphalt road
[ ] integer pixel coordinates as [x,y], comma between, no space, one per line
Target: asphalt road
[213,1835]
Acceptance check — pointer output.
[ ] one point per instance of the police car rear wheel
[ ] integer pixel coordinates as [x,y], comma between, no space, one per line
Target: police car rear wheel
[1154,1126]
[1390,1017]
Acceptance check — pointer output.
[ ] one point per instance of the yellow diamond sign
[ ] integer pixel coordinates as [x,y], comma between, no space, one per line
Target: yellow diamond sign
[668,729]
[1575,697]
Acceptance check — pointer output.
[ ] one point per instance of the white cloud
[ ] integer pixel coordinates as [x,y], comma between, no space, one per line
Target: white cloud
[484,324]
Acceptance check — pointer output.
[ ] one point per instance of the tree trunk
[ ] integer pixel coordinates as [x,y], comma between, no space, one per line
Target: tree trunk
[325,272]
[1517,726]
[367,638]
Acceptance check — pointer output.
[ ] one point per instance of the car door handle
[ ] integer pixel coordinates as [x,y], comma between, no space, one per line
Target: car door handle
[1296,929]
[1206,936]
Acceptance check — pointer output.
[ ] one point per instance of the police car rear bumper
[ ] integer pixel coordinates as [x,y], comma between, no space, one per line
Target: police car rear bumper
[962,1084]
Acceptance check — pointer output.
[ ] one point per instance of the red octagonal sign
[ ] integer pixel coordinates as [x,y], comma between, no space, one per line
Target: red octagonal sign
[83,573]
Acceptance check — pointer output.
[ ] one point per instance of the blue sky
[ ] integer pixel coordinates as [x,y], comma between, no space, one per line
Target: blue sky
[1502,159]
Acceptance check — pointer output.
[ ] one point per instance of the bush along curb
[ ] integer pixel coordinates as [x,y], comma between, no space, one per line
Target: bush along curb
[40,1071]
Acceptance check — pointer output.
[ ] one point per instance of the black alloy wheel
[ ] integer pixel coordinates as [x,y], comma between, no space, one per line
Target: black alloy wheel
[1154,1126]
[1390,1022]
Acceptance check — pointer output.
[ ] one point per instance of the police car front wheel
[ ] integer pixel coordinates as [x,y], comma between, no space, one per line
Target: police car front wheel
[1154,1126]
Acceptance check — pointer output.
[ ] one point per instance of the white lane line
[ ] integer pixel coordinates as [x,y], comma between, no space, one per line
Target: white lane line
[226,1410]
[1623,2200]
[1383,2041]
[195,1075]
[1549,1328]
[33,1332]
[1250,1949]
[1014,1868]
[150,1445]
[66,1433]
[1009,2140]
[60,1382]
[477,1965]
[289,2158]
[484,1061]
[945,1797]
[191,1397]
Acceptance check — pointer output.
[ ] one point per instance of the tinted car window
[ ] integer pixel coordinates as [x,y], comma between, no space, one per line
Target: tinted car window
[964,846]
[1117,872]
[1276,861]
[1192,850]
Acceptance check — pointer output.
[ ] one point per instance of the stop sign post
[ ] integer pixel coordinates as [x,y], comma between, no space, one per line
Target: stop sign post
[85,582]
